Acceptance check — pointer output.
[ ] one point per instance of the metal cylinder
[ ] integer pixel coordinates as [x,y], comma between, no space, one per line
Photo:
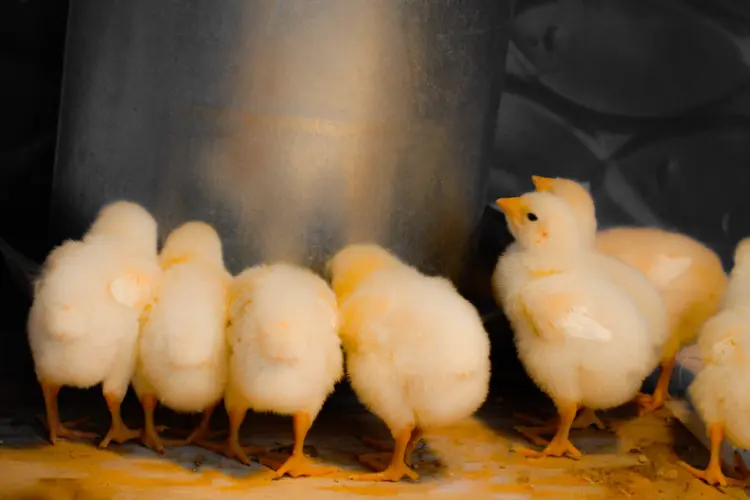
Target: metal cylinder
[294,126]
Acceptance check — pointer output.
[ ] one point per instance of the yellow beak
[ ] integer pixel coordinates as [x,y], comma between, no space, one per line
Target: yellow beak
[543,184]
[513,208]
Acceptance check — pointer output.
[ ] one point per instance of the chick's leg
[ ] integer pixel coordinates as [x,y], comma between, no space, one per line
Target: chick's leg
[297,465]
[713,474]
[560,445]
[118,431]
[150,436]
[54,426]
[397,468]
[585,419]
[232,447]
[386,446]
[651,403]
[203,431]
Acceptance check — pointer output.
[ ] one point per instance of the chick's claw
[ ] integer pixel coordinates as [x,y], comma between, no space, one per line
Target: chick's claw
[64,430]
[392,473]
[555,448]
[713,476]
[119,434]
[232,449]
[296,466]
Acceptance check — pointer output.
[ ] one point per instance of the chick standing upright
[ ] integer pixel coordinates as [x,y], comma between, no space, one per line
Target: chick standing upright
[580,336]
[417,352]
[688,275]
[285,355]
[719,392]
[183,354]
[84,322]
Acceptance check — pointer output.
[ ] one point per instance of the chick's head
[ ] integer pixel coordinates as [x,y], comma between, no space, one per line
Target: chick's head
[577,196]
[128,220]
[355,263]
[194,240]
[542,221]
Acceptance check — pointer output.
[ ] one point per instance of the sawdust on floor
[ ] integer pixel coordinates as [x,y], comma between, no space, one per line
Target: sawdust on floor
[473,458]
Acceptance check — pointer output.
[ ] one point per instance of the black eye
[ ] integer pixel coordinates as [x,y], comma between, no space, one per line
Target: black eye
[531,217]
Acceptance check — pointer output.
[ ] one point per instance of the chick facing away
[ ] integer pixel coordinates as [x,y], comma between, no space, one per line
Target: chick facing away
[83,323]
[580,337]
[285,356]
[688,275]
[183,354]
[719,392]
[417,352]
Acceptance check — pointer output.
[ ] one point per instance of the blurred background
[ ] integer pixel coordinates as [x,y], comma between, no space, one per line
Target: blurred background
[646,102]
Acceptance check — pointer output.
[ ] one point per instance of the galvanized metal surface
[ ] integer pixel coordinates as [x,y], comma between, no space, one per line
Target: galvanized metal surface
[294,126]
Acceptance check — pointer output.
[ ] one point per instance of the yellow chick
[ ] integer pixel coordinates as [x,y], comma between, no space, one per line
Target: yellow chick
[580,336]
[183,353]
[83,324]
[417,352]
[719,392]
[688,275]
[285,356]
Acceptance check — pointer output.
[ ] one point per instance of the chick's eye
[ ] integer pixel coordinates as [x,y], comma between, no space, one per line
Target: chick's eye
[531,217]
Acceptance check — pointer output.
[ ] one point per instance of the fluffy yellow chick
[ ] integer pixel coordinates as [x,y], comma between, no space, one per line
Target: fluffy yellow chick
[719,392]
[183,353]
[580,336]
[688,275]
[285,355]
[83,324]
[417,352]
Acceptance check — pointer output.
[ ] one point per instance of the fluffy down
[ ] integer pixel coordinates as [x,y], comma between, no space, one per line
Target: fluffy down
[183,347]
[688,276]
[417,352]
[83,324]
[719,392]
[579,333]
[286,352]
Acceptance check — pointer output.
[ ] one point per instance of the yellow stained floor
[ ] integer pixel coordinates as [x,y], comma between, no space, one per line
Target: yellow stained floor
[473,459]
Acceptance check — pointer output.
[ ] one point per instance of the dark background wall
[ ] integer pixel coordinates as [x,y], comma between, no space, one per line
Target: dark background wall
[648,102]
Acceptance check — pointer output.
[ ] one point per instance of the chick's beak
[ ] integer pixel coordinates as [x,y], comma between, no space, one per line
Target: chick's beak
[513,208]
[542,184]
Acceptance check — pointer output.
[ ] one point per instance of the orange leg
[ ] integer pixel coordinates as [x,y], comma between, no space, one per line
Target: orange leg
[387,447]
[54,426]
[150,436]
[560,444]
[297,465]
[118,431]
[585,419]
[713,474]
[232,447]
[397,468]
[651,403]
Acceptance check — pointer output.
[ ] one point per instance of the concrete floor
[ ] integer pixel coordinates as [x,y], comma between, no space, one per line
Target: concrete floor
[474,458]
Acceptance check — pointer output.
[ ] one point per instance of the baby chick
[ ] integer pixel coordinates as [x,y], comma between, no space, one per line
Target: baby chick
[285,355]
[417,352]
[719,392]
[183,353]
[83,324]
[688,275]
[581,337]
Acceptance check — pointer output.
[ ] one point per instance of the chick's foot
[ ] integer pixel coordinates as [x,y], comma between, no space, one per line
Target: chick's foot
[119,434]
[393,472]
[555,448]
[713,475]
[232,448]
[296,465]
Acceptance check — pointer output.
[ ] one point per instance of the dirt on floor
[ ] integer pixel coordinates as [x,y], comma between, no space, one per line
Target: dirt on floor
[636,458]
